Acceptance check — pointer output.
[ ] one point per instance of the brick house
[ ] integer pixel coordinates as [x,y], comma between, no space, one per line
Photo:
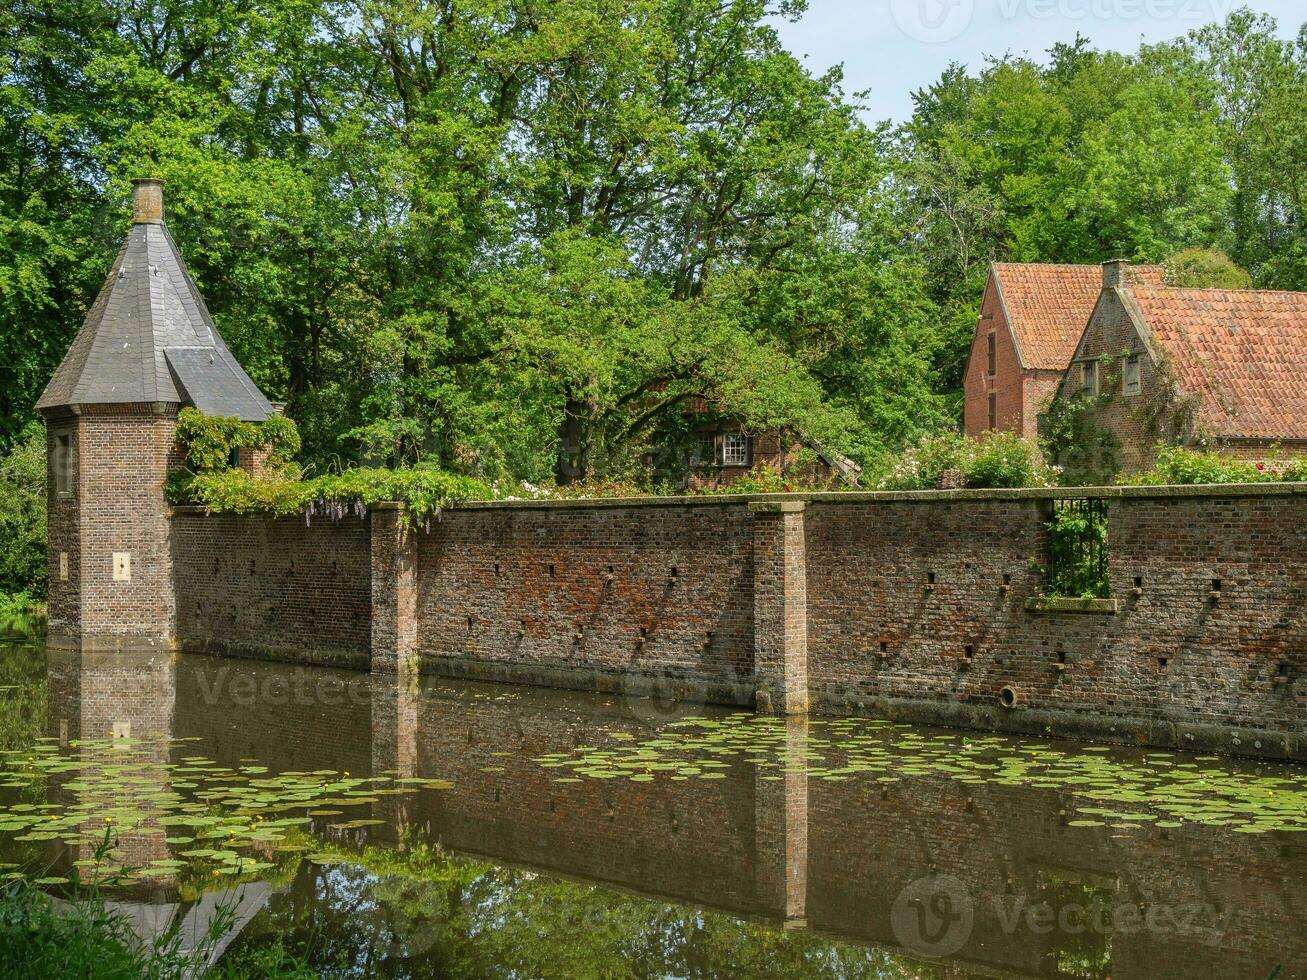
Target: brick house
[1217,368]
[722,449]
[726,450]
[147,348]
[1031,317]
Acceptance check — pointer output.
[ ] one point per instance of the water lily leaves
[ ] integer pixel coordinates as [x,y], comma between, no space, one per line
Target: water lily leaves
[1134,789]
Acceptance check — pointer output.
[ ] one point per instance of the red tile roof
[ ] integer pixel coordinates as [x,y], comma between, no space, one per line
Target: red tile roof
[1243,353]
[1048,307]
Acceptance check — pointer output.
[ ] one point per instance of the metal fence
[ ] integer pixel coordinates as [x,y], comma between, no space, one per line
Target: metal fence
[1078,548]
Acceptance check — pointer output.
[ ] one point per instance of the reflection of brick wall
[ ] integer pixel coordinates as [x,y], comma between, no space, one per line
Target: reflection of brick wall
[264,585]
[1222,903]
[300,718]
[694,839]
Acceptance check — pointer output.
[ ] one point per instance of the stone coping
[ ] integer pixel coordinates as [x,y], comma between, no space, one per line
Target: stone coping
[1068,604]
[770,501]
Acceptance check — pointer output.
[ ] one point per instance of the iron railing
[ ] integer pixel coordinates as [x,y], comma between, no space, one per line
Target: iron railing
[1077,548]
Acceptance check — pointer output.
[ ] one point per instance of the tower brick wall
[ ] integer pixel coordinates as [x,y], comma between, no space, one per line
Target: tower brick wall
[109,552]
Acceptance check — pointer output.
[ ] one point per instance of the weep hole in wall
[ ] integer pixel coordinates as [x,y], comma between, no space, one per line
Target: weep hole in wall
[1077,558]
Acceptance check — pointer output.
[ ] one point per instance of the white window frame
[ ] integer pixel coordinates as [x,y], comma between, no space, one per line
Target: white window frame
[735,449]
[1131,382]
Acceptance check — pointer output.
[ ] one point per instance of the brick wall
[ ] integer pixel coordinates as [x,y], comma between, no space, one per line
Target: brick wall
[1171,666]
[253,585]
[1138,421]
[591,595]
[1008,383]
[909,604]
[120,457]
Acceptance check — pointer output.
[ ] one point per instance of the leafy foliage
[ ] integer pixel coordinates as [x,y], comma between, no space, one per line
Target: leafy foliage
[208,441]
[22,519]
[466,234]
[1177,465]
[1077,536]
[425,491]
[997,459]
[1205,268]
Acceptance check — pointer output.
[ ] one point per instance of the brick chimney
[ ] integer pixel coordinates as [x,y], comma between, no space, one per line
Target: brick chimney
[1116,273]
[147,201]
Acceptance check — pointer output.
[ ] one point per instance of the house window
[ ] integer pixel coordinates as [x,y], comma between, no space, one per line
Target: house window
[234,459]
[735,449]
[1089,377]
[993,354]
[1130,377]
[993,410]
[62,463]
[703,452]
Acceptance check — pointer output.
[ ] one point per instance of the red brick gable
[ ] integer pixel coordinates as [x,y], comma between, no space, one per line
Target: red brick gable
[1242,353]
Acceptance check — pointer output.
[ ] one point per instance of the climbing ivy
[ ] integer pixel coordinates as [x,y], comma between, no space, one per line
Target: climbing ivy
[207,441]
[424,491]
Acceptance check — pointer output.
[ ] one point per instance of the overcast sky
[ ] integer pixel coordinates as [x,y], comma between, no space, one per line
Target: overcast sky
[895,46]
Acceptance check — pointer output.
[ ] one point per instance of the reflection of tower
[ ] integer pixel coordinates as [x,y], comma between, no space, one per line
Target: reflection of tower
[394,745]
[781,829]
[126,698]
[124,702]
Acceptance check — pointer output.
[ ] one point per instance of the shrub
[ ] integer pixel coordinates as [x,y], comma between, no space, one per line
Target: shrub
[760,480]
[207,441]
[1177,465]
[1004,459]
[1205,268]
[425,492]
[919,466]
[997,459]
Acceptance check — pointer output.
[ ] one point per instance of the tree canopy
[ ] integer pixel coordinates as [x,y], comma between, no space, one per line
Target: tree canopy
[478,231]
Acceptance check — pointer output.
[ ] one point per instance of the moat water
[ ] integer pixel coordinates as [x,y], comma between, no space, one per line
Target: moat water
[434,828]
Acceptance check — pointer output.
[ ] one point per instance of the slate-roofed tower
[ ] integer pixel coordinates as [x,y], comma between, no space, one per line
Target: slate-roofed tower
[147,347]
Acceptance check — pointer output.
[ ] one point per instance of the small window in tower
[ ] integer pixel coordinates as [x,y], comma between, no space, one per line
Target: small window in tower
[62,463]
[1130,376]
[1089,377]
[993,354]
[993,410]
[735,449]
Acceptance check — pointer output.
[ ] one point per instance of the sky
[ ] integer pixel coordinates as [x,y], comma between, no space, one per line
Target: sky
[893,47]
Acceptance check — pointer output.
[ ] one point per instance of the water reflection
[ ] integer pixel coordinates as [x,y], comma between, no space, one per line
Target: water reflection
[533,869]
